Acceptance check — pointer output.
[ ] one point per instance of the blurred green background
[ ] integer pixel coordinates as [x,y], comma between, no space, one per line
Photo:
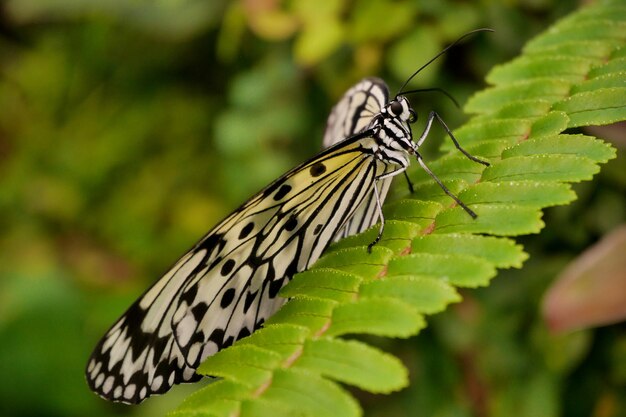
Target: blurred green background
[129,128]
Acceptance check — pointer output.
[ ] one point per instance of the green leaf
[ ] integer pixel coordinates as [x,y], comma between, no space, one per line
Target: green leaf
[456,167]
[426,295]
[571,69]
[284,339]
[493,98]
[262,407]
[245,364]
[350,260]
[582,31]
[542,168]
[493,129]
[612,80]
[312,313]
[503,253]
[220,399]
[588,146]
[414,211]
[460,270]
[571,48]
[518,110]
[324,283]
[614,66]
[377,316]
[427,189]
[492,149]
[354,363]
[536,194]
[397,236]
[599,107]
[307,394]
[551,124]
[519,220]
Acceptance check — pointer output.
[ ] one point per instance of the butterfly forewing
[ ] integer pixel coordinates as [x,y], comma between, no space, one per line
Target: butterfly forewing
[226,286]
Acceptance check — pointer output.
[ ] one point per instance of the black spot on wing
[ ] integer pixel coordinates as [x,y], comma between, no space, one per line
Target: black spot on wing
[213,242]
[159,345]
[227,267]
[291,223]
[317,169]
[282,192]
[244,332]
[275,286]
[245,231]
[199,310]
[229,341]
[217,337]
[250,296]
[189,295]
[197,336]
[227,297]
[216,262]
[254,261]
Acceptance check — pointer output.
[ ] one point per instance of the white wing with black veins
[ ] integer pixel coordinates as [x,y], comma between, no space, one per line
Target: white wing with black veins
[226,286]
[354,113]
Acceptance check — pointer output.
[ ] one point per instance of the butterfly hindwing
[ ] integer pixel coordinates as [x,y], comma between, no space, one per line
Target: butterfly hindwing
[356,110]
[354,113]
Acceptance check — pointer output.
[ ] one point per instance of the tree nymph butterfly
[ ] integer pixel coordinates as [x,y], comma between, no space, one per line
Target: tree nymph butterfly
[227,285]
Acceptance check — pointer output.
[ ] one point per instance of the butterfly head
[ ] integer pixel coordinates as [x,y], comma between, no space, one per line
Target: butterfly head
[400,108]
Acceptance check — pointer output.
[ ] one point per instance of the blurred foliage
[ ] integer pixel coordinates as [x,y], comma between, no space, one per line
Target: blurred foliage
[128,129]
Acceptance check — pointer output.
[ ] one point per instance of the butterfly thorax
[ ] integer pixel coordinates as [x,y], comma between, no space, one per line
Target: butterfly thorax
[392,132]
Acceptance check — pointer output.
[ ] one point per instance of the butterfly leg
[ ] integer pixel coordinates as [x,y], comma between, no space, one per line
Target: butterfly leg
[380,215]
[409,183]
[443,187]
[379,206]
[434,115]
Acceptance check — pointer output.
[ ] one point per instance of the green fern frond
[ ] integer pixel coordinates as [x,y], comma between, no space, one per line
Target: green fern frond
[572,75]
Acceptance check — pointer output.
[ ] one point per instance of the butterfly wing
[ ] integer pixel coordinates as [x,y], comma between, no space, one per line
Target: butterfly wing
[138,356]
[226,286]
[354,113]
[356,110]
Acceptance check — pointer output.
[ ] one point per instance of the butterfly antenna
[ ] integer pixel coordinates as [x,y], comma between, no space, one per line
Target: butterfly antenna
[441,53]
[441,90]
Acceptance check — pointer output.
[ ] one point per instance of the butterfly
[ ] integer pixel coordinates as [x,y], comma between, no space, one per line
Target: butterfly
[227,285]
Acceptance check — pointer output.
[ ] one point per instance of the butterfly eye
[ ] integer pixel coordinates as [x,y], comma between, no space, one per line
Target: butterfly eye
[396,108]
